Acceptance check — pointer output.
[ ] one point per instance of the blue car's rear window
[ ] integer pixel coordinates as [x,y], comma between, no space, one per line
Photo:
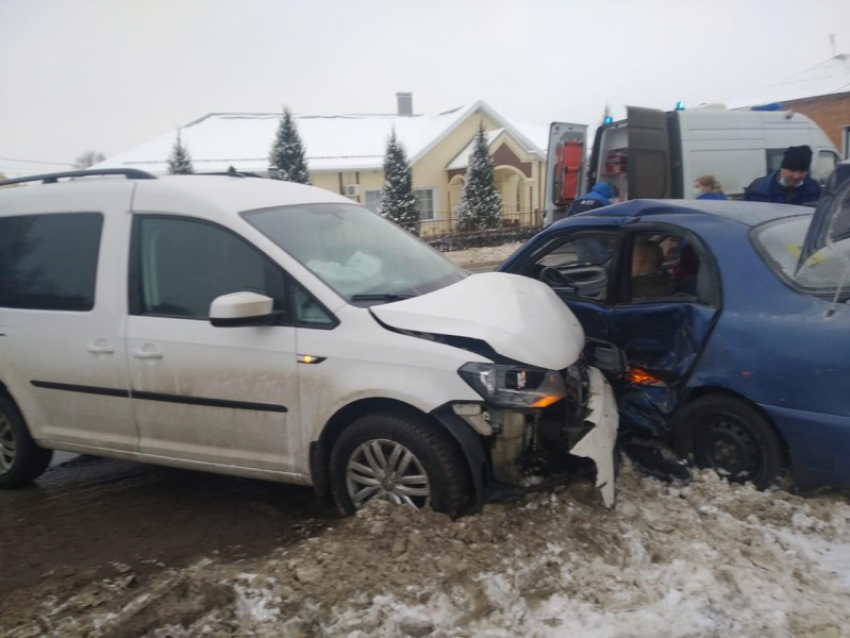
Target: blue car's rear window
[780,243]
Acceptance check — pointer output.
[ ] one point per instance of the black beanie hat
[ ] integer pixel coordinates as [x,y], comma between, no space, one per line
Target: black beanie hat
[797,158]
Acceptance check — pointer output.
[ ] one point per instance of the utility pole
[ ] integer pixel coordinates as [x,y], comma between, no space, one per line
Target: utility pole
[832,44]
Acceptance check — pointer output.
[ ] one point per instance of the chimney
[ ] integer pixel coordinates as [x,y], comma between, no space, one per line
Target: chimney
[405,103]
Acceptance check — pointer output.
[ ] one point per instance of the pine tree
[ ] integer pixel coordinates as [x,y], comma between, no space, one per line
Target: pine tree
[287,154]
[89,159]
[480,201]
[397,201]
[179,162]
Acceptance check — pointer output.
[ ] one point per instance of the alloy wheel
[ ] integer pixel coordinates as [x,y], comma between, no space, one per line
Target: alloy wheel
[8,445]
[387,470]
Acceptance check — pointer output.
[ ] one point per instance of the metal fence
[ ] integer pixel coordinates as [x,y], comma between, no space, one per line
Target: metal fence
[446,223]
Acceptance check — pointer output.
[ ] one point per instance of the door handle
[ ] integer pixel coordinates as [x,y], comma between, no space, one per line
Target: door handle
[144,354]
[94,349]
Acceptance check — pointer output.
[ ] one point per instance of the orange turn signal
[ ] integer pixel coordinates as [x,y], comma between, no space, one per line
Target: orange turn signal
[546,401]
[638,376]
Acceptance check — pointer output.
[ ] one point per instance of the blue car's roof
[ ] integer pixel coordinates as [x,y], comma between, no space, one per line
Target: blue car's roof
[747,213]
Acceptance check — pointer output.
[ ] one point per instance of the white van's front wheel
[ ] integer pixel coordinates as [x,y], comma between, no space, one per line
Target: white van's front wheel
[400,458]
[387,470]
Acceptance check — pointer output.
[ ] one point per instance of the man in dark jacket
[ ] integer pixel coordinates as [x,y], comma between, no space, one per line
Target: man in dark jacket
[590,250]
[598,196]
[791,184]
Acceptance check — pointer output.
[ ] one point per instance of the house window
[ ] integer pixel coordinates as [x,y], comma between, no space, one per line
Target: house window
[426,200]
[371,199]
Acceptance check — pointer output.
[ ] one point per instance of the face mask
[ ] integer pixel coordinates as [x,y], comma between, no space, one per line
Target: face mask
[785,184]
[697,192]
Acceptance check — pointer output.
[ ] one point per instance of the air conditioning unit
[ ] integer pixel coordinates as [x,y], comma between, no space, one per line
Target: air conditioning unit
[352,190]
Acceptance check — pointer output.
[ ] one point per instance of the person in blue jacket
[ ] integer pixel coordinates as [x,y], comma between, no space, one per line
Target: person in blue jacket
[591,250]
[597,197]
[707,187]
[791,184]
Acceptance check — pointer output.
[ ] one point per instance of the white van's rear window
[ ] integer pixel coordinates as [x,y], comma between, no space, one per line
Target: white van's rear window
[49,262]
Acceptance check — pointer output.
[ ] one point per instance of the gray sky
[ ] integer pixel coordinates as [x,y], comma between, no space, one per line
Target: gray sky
[110,74]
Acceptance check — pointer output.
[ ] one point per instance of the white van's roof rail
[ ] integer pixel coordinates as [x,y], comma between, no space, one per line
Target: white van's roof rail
[52,178]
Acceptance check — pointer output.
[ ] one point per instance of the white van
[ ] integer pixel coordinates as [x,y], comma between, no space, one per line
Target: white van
[657,155]
[277,331]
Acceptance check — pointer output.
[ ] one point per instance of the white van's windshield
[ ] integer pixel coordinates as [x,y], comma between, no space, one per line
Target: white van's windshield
[364,258]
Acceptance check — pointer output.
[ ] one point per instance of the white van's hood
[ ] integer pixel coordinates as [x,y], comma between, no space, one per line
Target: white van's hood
[520,318]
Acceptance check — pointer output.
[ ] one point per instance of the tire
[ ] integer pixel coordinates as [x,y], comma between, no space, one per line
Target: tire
[21,460]
[733,437]
[431,450]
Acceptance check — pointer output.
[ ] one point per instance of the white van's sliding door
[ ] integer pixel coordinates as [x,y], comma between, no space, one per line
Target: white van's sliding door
[649,167]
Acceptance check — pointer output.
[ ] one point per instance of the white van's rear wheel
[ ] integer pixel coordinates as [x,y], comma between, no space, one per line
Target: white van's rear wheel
[8,445]
[21,460]
[399,458]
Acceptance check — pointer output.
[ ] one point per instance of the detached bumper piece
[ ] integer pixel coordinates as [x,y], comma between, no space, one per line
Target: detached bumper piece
[598,444]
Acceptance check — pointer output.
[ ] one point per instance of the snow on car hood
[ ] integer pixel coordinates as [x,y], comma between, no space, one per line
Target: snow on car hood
[519,318]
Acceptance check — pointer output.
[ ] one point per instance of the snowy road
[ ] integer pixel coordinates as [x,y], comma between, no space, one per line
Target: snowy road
[485,267]
[62,457]
[481,259]
[85,515]
[706,559]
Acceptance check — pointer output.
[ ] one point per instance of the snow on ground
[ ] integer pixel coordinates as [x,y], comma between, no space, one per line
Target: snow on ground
[487,255]
[683,560]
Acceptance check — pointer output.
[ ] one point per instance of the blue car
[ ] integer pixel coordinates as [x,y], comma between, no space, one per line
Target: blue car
[723,326]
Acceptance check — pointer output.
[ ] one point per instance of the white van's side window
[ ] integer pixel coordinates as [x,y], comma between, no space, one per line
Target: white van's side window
[49,262]
[308,311]
[824,165]
[774,159]
[183,265]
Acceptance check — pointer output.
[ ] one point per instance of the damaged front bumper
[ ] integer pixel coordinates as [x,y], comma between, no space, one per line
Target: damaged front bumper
[514,451]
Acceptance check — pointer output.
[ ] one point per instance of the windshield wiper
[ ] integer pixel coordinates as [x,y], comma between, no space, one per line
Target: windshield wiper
[381,297]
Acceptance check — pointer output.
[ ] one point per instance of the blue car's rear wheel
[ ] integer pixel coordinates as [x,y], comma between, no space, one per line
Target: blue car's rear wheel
[734,438]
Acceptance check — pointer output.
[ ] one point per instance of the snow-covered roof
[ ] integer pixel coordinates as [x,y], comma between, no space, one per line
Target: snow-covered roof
[538,134]
[333,143]
[827,78]
[461,160]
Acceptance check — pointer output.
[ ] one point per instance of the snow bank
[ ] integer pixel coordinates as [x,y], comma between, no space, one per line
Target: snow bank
[479,256]
[703,559]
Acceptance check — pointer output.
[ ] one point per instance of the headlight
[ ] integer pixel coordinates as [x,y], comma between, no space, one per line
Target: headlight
[514,386]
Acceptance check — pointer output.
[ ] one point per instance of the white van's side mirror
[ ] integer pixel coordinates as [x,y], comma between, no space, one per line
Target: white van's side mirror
[243,309]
